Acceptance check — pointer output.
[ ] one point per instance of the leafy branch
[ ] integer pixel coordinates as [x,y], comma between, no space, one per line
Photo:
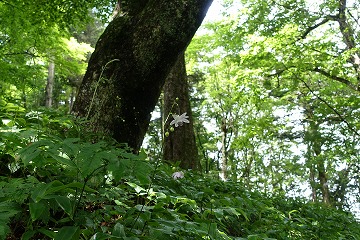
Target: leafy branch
[311,28]
[336,78]
[331,107]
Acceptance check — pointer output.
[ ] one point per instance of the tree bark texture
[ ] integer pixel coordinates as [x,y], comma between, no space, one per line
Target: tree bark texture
[128,68]
[180,145]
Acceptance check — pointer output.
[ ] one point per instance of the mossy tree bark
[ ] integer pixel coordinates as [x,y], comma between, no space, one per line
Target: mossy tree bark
[180,145]
[128,68]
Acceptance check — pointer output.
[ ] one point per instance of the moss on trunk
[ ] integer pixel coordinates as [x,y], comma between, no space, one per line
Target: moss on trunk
[128,68]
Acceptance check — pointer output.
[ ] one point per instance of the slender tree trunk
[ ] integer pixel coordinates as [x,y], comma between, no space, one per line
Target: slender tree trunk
[50,85]
[224,153]
[180,145]
[322,175]
[248,159]
[128,68]
[316,159]
[72,98]
[313,184]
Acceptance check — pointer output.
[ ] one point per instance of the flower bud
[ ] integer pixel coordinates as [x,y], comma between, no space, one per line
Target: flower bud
[167,134]
[172,129]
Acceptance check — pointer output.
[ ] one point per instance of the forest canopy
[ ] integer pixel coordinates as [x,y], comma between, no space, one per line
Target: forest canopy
[254,130]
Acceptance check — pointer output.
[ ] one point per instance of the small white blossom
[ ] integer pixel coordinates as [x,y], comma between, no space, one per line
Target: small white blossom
[179,119]
[177,175]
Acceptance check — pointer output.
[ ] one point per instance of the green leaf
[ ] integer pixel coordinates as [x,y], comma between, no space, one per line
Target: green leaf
[142,171]
[4,230]
[8,210]
[118,230]
[100,236]
[28,235]
[89,161]
[38,210]
[40,192]
[80,186]
[47,232]
[70,146]
[213,231]
[63,160]
[137,188]
[68,233]
[65,204]
[30,155]
[119,168]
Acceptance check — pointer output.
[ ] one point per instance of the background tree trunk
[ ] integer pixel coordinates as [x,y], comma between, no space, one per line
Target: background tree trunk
[128,68]
[316,159]
[50,85]
[224,151]
[180,145]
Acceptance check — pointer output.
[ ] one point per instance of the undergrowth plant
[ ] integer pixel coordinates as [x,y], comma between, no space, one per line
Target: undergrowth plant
[58,181]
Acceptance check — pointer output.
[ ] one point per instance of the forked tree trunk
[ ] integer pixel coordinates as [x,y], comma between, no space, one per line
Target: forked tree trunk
[128,68]
[180,145]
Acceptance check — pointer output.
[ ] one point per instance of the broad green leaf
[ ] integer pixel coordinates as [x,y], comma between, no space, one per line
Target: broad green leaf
[100,236]
[30,155]
[40,191]
[142,171]
[28,235]
[137,188]
[48,233]
[119,168]
[38,210]
[68,233]
[71,146]
[63,160]
[65,204]
[118,230]
[213,231]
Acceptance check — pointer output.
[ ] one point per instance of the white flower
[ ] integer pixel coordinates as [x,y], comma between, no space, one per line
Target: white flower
[179,120]
[177,175]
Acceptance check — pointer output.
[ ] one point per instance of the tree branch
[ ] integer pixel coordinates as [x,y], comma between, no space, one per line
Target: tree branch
[336,78]
[332,108]
[309,29]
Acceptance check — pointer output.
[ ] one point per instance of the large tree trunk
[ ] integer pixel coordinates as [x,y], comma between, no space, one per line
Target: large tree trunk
[128,68]
[180,145]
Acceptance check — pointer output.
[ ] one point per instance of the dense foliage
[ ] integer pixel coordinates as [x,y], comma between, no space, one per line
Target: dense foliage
[35,33]
[274,89]
[277,101]
[58,184]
